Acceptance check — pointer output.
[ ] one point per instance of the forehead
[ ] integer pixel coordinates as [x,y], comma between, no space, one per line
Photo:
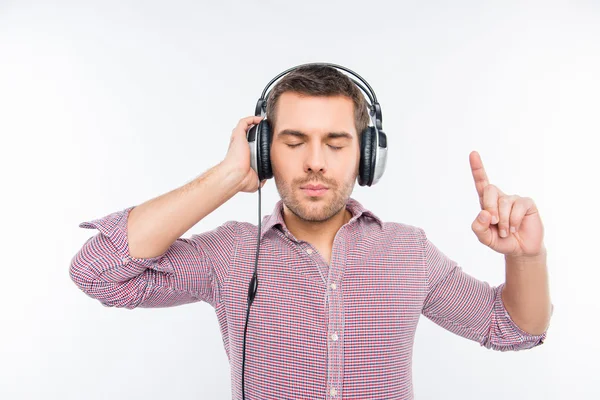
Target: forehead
[315,114]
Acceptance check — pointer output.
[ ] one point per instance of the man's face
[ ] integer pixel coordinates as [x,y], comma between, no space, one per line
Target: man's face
[308,122]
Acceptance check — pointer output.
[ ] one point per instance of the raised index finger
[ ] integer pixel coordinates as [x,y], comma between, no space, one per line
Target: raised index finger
[479,175]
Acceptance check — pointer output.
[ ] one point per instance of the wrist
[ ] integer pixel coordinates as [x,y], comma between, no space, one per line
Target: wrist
[528,258]
[232,174]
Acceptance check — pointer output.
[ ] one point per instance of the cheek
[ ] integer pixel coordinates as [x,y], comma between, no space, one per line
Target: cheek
[354,171]
[281,170]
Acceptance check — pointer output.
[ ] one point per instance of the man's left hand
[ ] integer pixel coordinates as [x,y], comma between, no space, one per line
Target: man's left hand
[508,224]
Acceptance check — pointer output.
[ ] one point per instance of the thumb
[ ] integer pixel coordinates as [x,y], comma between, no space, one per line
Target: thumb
[481,227]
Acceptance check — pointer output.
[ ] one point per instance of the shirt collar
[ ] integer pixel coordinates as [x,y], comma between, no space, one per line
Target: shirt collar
[276,217]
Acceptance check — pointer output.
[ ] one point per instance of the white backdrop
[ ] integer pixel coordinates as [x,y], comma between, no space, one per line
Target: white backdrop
[104,105]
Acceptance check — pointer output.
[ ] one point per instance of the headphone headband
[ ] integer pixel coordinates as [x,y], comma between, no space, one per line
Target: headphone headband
[374,107]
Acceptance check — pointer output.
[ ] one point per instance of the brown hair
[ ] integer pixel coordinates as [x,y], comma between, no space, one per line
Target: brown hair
[320,80]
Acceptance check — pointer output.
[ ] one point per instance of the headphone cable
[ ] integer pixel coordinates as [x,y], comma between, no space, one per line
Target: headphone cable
[251,293]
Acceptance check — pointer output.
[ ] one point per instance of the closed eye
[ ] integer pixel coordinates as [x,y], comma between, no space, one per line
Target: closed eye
[296,145]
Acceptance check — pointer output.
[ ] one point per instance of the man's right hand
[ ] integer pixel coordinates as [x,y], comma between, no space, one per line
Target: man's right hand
[238,155]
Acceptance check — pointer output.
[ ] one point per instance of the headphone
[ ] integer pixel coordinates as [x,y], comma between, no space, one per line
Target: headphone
[373,144]
[373,154]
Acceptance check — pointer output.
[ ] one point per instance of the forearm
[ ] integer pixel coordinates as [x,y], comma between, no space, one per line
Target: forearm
[154,226]
[526,294]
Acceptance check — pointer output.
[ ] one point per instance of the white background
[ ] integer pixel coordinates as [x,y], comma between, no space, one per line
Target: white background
[104,105]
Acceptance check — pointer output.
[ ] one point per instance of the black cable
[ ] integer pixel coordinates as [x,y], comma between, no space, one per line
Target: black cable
[251,293]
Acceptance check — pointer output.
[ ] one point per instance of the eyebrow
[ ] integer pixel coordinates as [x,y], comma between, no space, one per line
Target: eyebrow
[302,135]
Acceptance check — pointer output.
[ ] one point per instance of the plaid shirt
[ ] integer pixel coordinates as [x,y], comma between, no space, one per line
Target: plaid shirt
[315,331]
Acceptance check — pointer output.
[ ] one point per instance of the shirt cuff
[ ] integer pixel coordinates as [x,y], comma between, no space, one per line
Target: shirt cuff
[506,334]
[114,227]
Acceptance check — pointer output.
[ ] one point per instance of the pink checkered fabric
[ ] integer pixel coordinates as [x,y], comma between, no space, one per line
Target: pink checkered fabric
[315,331]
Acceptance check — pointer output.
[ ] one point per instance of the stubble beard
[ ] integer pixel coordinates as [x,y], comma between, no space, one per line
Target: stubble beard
[314,209]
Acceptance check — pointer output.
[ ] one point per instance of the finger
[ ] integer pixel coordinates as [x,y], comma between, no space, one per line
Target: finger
[479,175]
[246,122]
[519,210]
[505,204]
[482,228]
[490,202]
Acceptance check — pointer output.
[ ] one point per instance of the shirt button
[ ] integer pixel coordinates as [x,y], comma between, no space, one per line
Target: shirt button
[309,251]
[125,260]
[333,286]
[333,391]
[334,337]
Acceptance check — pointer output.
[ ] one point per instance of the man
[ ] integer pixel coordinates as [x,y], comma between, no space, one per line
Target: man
[340,291]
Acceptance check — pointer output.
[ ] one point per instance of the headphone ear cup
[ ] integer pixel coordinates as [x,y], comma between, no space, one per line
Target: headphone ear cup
[380,156]
[264,150]
[367,157]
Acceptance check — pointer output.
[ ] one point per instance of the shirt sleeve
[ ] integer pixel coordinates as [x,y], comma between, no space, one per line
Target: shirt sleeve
[469,307]
[192,269]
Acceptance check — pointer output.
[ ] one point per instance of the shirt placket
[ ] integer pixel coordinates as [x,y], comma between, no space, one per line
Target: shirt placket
[335,307]
[331,276]
[335,322]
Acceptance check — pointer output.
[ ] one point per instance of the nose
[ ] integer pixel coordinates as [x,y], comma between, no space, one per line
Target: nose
[315,159]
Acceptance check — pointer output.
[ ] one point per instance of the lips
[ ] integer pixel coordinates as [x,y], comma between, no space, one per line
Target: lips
[314,190]
[313,187]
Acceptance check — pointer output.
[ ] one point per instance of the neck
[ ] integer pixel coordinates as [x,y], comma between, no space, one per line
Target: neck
[315,232]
